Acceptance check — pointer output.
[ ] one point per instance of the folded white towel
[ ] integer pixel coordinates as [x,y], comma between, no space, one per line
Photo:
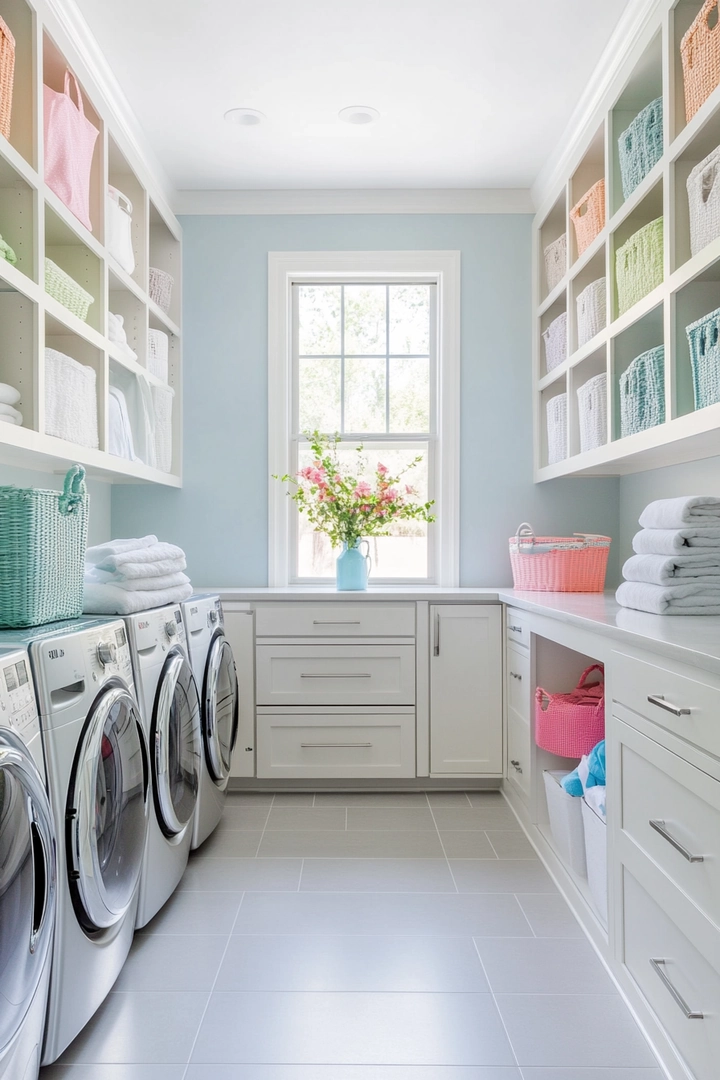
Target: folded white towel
[701,539]
[9,410]
[8,394]
[685,599]
[93,576]
[120,439]
[667,569]
[126,562]
[138,571]
[687,510]
[97,554]
[16,420]
[110,600]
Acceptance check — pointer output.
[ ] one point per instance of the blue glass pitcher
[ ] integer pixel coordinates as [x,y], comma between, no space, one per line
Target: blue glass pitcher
[353,567]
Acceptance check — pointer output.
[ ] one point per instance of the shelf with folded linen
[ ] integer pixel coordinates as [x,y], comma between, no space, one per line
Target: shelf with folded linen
[73,273]
[164,268]
[140,418]
[74,377]
[19,335]
[17,224]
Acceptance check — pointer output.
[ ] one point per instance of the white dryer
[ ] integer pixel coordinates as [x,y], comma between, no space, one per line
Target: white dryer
[27,873]
[97,771]
[170,709]
[213,665]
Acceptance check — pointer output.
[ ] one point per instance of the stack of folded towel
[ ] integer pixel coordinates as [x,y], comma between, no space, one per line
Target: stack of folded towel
[676,566]
[9,398]
[124,576]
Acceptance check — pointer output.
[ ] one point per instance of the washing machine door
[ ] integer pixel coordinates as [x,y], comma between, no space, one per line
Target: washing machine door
[220,708]
[175,745]
[106,817]
[27,884]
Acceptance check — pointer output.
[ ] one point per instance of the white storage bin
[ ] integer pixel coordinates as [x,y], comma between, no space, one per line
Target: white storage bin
[592,412]
[596,858]
[163,405]
[555,261]
[70,400]
[703,188]
[591,311]
[157,354]
[566,823]
[555,339]
[556,412]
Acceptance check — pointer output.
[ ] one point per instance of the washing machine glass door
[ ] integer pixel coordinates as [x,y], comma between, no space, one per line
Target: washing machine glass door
[175,743]
[220,708]
[107,810]
[27,883]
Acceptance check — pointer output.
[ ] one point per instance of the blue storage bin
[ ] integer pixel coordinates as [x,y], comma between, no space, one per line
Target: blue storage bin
[640,146]
[642,392]
[704,341]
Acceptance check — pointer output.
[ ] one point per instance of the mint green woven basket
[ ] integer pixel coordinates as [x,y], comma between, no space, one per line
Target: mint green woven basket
[642,392]
[43,537]
[639,265]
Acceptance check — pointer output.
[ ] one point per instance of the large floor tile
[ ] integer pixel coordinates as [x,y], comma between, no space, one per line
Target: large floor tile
[294,798]
[467,845]
[511,844]
[592,1074]
[390,818]
[373,1029]
[228,844]
[249,798]
[172,962]
[195,913]
[376,875]
[476,818]
[359,1072]
[382,913]
[501,875]
[244,818]
[572,1030]
[549,916]
[404,799]
[236,875]
[352,845]
[113,1072]
[448,800]
[486,799]
[140,1029]
[409,964]
[296,818]
[543,966]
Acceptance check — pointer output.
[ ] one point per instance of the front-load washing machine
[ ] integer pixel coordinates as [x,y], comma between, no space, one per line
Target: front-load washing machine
[27,873]
[97,772]
[214,668]
[170,707]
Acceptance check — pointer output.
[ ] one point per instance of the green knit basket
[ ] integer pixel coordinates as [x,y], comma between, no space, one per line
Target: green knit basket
[639,265]
[642,392]
[43,537]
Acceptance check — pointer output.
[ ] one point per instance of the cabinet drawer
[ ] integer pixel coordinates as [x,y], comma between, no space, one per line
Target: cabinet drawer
[518,753]
[518,682]
[335,674]
[680,702]
[684,804]
[650,934]
[336,745]
[336,619]
[517,627]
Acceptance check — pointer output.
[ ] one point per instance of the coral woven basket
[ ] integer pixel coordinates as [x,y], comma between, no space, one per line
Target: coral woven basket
[558,563]
[700,52]
[7,76]
[588,216]
[569,725]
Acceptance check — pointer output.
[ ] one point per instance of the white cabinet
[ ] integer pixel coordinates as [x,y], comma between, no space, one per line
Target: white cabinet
[240,632]
[466,690]
[336,674]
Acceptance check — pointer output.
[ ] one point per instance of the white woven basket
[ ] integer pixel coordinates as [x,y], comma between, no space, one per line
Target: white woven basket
[591,311]
[161,286]
[556,261]
[592,412]
[703,188]
[163,404]
[70,400]
[157,354]
[556,412]
[555,339]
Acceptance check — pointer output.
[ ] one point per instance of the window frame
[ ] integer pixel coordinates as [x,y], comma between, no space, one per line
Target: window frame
[286,269]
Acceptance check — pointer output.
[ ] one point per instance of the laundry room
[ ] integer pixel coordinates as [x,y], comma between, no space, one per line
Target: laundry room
[359,540]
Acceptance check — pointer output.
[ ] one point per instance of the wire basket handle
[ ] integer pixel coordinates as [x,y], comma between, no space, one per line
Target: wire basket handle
[74,490]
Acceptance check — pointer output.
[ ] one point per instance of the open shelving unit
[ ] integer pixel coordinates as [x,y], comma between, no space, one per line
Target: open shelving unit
[691,285]
[37,224]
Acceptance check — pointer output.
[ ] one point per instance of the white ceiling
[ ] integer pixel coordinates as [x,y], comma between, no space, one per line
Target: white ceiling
[472,93]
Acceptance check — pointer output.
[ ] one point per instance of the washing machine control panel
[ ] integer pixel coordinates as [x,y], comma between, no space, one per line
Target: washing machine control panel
[162,628]
[109,654]
[18,708]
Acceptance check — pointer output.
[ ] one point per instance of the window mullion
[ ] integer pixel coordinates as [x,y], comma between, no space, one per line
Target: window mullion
[342,358]
[387,359]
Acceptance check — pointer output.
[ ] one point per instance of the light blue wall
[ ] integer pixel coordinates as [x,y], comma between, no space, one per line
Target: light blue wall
[220,515]
[100,496]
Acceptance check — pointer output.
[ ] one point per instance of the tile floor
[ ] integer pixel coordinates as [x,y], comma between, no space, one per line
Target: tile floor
[362,937]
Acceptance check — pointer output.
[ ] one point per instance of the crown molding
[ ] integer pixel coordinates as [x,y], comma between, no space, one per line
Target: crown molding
[369,201]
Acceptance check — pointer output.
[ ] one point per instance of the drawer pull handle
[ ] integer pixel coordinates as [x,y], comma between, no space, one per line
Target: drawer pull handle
[336,622]
[516,629]
[312,745]
[658,967]
[516,765]
[659,700]
[515,675]
[660,827]
[436,643]
[336,675]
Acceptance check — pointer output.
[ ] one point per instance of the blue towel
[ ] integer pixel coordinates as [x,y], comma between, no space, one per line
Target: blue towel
[594,762]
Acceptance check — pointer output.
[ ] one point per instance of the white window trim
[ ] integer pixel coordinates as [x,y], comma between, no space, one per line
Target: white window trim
[287,267]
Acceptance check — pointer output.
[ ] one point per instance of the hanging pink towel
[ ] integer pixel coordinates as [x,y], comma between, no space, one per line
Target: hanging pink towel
[69,144]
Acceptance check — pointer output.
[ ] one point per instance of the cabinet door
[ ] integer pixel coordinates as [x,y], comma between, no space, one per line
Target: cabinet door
[240,632]
[466,689]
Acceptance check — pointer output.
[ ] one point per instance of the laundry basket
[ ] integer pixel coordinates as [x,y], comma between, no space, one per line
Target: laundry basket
[566,823]
[569,725]
[157,354]
[555,339]
[556,414]
[639,265]
[555,261]
[161,286]
[66,290]
[70,400]
[162,397]
[595,829]
[43,536]
[703,190]
[588,216]
[640,146]
[558,563]
[7,76]
[704,341]
[592,412]
[642,392]
[700,53]
[591,307]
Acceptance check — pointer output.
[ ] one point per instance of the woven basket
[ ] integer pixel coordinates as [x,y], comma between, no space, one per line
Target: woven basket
[555,339]
[157,354]
[558,563]
[642,392]
[639,265]
[161,286]
[700,52]
[556,412]
[70,400]
[703,189]
[588,216]
[640,146]
[66,290]
[555,261]
[704,341]
[163,403]
[569,725]
[7,76]
[591,311]
[592,412]
[43,536]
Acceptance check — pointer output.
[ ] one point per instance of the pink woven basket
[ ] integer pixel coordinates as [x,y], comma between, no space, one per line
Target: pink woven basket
[588,216]
[558,563]
[569,725]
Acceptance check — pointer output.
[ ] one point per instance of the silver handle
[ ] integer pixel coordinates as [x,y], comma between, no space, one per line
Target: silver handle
[339,675]
[514,675]
[516,765]
[310,745]
[659,827]
[658,967]
[659,700]
[436,645]
[336,622]
[516,629]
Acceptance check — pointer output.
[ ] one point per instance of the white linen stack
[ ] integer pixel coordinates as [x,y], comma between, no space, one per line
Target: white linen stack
[9,398]
[124,576]
[676,566]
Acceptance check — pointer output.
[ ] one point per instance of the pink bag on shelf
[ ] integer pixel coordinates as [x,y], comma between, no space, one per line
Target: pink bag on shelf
[69,144]
[571,724]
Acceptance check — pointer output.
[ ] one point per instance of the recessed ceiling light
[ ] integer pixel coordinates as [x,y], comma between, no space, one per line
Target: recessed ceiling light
[359,114]
[244,117]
